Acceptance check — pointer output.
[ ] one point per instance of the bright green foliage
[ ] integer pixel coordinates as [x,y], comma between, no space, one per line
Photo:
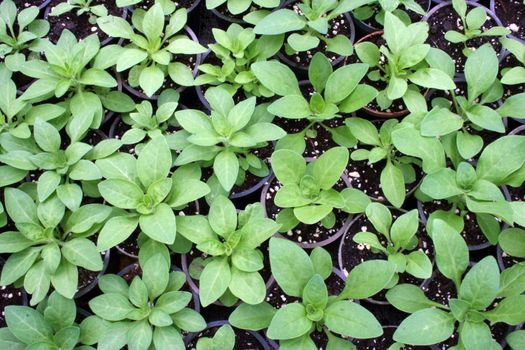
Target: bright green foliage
[152,47]
[231,242]
[224,339]
[472,23]
[146,192]
[237,48]
[50,243]
[514,75]
[51,326]
[431,323]
[238,7]
[151,311]
[401,240]
[226,138]
[335,93]
[302,275]
[405,59]
[378,8]
[80,7]
[20,31]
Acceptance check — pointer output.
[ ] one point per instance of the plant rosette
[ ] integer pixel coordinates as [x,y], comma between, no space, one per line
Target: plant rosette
[443,18]
[301,275]
[221,335]
[310,28]
[61,15]
[483,294]
[10,295]
[229,257]
[311,198]
[391,234]
[370,16]
[512,16]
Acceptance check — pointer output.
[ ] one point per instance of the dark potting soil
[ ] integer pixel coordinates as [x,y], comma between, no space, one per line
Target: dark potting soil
[471,233]
[512,15]
[397,105]
[303,233]
[337,26]
[440,289]
[223,10]
[414,17]
[446,19]
[517,193]
[20,4]
[383,342]
[9,295]
[509,261]
[79,25]
[510,61]
[86,277]
[244,340]
[353,254]
[251,180]
[277,298]
[146,4]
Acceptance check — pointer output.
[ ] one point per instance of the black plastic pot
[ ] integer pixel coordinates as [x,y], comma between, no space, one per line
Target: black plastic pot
[83,291]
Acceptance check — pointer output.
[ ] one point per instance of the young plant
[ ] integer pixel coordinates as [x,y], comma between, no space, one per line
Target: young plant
[514,75]
[227,137]
[231,242]
[151,311]
[145,192]
[152,47]
[405,59]
[303,276]
[71,74]
[483,285]
[50,244]
[146,124]
[378,8]
[51,326]
[309,26]
[20,31]
[472,25]
[481,71]
[475,190]
[236,7]
[335,92]
[397,240]
[223,339]
[398,169]
[81,7]
[237,48]
[307,194]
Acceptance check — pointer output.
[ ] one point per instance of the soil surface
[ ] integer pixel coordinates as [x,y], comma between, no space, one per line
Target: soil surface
[414,17]
[9,295]
[512,15]
[244,340]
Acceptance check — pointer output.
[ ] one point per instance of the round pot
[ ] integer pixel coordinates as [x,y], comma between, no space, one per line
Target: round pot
[195,297]
[366,28]
[83,291]
[195,288]
[284,58]
[470,3]
[341,248]
[493,9]
[43,4]
[227,18]
[198,60]
[423,218]
[254,188]
[103,42]
[306,245]
[214,324]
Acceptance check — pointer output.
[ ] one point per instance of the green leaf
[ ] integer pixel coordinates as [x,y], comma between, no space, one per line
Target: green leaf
[247,286]
[151,79]
[111,306]
[166,337]
[291,266]
[289,322]
[364,131]
[17,265]
[252,317]
[20,206]
[288,166]
[509,311]
[28,325]
[380,217]
[487,118]
[481,284]
[153,22]
[82,252]
[368,278]
[419,265]
[116,231]
[279,22]
[226,168]
[154,162]
[441,184]
[440,122]
[319,71]
[512,280]
[155,275]
[214,280]
[408,298]
[291,106]
[140,335]
[352,320]
[115,26]
[222,216]
[481,69]
[425,327]
[276,77]
[343,81]
[516,339]
[501,158]
[160,225]
[452,256]
[432,78]
[328,167]
[121,193]
[475,335]
[511,241]
[393,184]
[46,136]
